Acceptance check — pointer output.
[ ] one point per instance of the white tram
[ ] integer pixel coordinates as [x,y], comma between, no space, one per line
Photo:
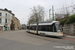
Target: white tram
[51,28]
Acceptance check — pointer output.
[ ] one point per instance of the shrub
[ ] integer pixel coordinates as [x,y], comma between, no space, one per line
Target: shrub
[71,19]
[61,21]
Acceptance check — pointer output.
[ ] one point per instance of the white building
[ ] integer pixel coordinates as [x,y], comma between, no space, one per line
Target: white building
[5,19]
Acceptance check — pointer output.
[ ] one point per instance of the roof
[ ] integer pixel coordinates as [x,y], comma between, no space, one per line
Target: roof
[17,18]
[7,11]
[44,22]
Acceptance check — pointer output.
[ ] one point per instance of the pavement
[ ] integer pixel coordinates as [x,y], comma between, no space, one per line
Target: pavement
[69,36]
[21,40]
[65,35]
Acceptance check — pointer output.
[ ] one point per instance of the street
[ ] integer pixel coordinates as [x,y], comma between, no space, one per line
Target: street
[21,40]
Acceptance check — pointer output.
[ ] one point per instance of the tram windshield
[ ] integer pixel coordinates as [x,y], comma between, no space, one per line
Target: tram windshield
[58,27]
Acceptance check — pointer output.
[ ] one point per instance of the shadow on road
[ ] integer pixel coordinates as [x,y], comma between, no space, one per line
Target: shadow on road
[47,36]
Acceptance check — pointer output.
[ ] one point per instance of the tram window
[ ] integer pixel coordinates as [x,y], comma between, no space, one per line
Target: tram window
[27,27]
[45,28]
[54,28]
[49,28]
[32,27]
[42,28]
[39,28]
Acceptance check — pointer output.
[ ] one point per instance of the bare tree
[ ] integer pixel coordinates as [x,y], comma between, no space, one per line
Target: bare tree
[37,14]
[63,13]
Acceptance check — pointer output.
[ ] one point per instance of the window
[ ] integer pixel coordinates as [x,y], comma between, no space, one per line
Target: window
[54,28]
[32,27]
[9,16]
[27,27]
[0,20]
[48,28]
[0,14]
[57,25]
[6,14]
[5,20]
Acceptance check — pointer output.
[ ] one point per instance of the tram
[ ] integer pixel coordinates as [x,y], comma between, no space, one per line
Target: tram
[47,28]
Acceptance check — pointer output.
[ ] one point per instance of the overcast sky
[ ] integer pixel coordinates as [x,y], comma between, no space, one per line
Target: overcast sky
[21,8]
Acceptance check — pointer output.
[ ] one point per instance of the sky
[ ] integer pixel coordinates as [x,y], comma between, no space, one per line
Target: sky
[21,8]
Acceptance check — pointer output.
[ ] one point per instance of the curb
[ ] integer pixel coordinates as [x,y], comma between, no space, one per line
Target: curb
[70,37]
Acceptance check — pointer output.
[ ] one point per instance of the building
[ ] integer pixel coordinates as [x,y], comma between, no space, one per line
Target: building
[17,24]
[23,26]
[5,19]
[13,22]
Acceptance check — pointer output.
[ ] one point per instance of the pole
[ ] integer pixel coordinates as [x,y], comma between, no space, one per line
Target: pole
[43,18]
[49,13]
[43,15]
[53,12]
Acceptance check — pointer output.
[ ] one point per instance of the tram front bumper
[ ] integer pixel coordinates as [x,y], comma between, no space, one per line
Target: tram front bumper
[58,34]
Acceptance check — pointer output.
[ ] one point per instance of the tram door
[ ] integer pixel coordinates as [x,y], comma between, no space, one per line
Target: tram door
[54,28]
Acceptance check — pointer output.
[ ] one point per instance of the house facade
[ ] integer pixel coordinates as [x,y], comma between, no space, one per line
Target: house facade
[5,19]
[23,26]
[13,22]
[17,24]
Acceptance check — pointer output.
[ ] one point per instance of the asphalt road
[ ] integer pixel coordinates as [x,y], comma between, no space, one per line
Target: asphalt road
[21,40]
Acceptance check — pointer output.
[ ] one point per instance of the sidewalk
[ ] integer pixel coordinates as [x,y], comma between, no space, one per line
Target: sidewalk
[69,36]
[10,30]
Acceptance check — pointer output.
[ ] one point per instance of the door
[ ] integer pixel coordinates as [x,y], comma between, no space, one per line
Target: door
[5,28]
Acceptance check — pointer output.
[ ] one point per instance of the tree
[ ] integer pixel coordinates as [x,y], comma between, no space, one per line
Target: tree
[63,13]
[37,14]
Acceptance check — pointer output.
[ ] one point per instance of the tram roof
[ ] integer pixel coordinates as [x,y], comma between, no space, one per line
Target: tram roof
[44,23]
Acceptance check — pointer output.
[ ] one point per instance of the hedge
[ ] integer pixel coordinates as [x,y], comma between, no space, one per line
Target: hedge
[63,21]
